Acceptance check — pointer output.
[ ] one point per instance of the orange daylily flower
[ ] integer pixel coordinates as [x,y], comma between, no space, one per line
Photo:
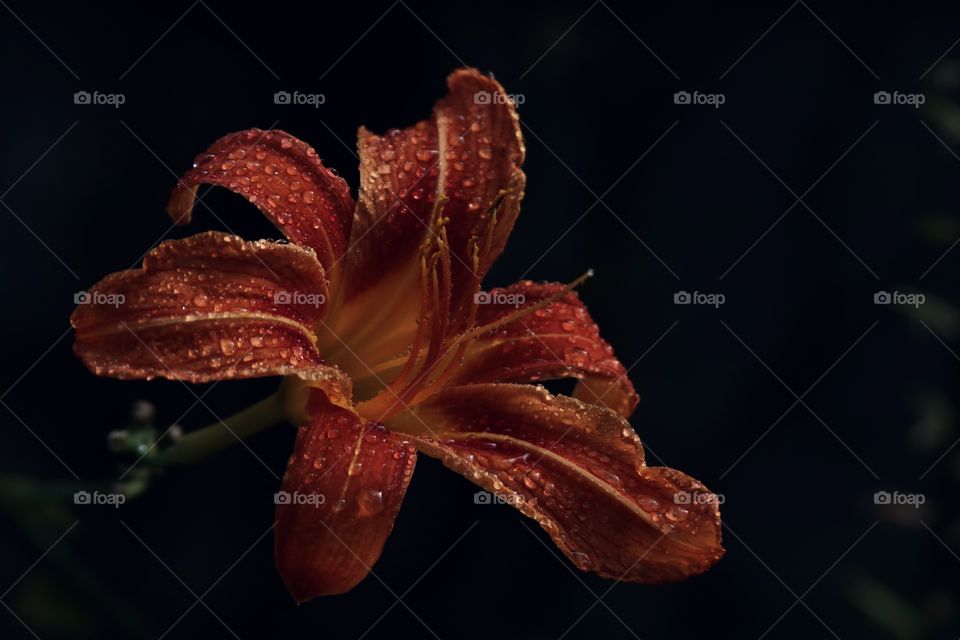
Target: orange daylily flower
[374,315]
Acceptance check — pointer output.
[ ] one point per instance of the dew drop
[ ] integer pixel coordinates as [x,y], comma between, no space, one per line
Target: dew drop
[371,502]
[582,560]
[648,503]
[675,514]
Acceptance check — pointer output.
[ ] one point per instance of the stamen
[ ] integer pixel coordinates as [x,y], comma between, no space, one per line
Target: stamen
[444,376]
[437,317]
[422,327]
[418,389]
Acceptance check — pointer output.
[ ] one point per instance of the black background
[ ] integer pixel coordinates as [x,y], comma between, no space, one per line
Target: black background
[597,83]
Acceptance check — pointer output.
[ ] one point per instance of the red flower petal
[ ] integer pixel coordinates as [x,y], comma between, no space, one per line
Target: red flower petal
[464,157]
[578,471]
[284,178]
[207,307]
[560,340]
[345,481]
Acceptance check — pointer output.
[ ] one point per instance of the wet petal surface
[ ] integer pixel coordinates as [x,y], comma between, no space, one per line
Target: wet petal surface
[557,341]
[284,178]
[341,492]
[209,307]
[578,471]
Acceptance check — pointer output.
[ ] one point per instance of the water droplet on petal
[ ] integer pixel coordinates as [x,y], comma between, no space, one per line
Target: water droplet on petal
[648,503]
[675,514]
[582,560]
[576,355]
[371,502]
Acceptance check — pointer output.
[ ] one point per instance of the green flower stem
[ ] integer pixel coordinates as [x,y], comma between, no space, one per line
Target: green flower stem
[199,444]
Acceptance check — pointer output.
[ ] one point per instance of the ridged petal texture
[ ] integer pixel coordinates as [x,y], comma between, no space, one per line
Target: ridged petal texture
[209,307]
[578,470]
[342,490]
[556,341]
[284,178]
[462,164]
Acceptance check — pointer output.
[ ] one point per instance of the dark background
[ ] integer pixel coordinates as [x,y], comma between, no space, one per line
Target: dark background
[718,385]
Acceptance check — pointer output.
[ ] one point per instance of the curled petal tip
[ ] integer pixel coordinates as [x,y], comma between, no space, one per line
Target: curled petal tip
[180,206]
[284,178]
